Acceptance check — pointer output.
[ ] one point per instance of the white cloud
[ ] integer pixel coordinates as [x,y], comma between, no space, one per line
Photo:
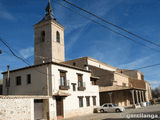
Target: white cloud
[5,14]
[27,52]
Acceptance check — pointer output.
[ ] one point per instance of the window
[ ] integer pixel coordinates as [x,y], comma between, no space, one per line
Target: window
[93,81]
[18,80]
[110,105]
[64,83]
[62,78]
[105,105]
[94,100]
[87,101]
[29,79]
[42,36]
[81,84]
[74,86]
[80,80]
[57,37]
[80,101]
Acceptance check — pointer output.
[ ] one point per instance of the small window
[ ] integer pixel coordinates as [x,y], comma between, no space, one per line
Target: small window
[74,86]
[18,80]
[29,79]
[94,100]
[57,37]
[42,36]
[87,101]
[80,101]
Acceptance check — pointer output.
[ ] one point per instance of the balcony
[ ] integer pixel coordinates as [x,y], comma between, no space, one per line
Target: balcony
[81,86]
[64,85]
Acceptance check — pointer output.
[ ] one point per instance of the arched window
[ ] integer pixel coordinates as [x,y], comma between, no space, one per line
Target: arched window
[42,36]
[57,37]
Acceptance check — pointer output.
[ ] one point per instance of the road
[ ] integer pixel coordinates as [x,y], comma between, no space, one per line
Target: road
[145,113]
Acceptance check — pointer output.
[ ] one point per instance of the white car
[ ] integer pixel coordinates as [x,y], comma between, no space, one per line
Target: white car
[109,107]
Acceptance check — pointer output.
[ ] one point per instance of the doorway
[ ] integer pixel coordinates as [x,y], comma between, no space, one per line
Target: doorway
[59,107]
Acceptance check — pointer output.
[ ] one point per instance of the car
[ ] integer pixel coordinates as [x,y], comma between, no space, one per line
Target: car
[109,107]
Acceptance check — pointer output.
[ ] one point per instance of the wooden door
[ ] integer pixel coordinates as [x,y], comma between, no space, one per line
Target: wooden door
[59,106]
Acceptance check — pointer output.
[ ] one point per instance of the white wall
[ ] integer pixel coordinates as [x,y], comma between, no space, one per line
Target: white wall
[71,103]
[100,65]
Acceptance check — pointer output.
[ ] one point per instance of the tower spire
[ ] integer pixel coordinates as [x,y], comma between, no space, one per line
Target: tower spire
[49,11]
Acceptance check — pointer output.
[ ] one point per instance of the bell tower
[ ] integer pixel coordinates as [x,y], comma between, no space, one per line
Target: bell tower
[48,39]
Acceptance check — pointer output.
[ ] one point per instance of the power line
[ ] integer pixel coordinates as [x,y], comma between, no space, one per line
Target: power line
[148,66]
[13,52]
[23,60]
[125,30]
[115,32]
[107,27]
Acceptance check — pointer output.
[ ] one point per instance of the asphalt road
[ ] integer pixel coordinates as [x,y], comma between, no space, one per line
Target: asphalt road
[145,113]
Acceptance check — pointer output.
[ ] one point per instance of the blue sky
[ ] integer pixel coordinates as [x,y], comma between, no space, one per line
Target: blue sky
[83,37]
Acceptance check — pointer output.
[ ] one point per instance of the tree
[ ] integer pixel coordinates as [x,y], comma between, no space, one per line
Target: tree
[156,92]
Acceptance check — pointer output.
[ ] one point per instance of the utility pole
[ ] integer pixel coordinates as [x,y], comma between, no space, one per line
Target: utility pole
[8,79]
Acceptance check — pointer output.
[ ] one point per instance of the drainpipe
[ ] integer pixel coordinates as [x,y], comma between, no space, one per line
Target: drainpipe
[8,79]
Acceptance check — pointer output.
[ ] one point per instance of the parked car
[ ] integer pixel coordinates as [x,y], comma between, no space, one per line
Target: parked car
[109,107]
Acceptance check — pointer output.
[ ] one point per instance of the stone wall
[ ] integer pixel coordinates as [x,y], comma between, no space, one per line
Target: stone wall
[148,91]
[106,77]
[121,79]
[16,108]
[78,62]
[121,98]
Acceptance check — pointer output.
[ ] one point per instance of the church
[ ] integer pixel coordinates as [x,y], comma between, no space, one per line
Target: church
[61,89]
